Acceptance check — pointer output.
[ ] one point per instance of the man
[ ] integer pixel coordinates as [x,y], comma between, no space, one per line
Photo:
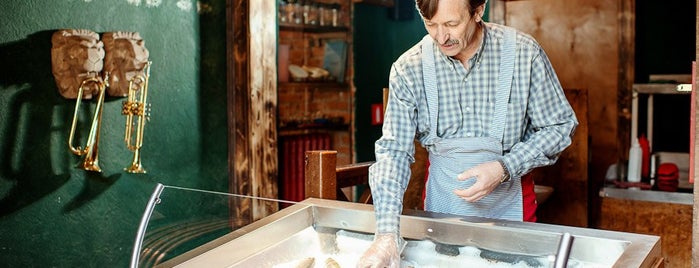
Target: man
[485,102]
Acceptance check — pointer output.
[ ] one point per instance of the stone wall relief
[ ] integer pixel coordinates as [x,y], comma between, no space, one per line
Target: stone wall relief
[78,55]
[127,59]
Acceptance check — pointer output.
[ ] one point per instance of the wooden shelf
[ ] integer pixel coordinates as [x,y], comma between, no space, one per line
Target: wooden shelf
[310,28]
[298,102]
[664,88]
[310,128]
[386,3]
[327,85]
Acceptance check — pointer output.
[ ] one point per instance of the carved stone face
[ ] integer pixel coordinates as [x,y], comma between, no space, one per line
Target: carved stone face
[126,58]
[76,55]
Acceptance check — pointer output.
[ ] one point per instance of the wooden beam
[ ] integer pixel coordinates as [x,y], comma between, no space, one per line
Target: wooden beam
[262,119]
[252,131]
[238,105]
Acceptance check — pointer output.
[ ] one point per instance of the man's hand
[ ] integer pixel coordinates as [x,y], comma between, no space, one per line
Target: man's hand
[382,253]
[487,176]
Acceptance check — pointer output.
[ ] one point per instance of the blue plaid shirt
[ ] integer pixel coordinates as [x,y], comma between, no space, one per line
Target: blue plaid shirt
[540,121]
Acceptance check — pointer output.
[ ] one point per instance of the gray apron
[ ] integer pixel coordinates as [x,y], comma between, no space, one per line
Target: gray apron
[450,157]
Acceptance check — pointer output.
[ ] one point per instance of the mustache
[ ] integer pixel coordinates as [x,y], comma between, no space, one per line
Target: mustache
[451,42]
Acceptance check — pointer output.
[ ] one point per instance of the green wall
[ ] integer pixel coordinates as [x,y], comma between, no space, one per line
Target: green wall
[55,215]
[378,41]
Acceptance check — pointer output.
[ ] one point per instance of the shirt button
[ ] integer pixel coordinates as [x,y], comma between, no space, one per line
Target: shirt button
[469,134]
[468,109]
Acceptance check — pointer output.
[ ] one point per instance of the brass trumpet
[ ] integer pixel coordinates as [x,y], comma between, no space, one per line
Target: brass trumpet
[135,109]
[91,161]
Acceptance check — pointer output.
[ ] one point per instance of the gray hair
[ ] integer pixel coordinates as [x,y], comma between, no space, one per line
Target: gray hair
[428,8]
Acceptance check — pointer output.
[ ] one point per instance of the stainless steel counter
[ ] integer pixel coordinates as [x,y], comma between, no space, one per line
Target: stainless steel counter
[647,195]
[276,238]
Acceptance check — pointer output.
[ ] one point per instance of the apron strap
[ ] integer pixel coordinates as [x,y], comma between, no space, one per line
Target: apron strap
[429,77]
[507,64]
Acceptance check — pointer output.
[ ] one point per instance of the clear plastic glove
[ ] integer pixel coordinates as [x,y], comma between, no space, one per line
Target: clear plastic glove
[383,252]
[487,175]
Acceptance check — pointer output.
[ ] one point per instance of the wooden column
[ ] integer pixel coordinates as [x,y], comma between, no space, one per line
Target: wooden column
[237,85]
[252,160]
[263,104]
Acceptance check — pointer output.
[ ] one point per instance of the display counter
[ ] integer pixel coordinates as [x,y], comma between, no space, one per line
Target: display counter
[194,228]
[664,214]
[647,195]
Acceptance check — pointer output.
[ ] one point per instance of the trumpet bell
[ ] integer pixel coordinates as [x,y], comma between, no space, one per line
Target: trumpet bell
[135,168]
[90,164]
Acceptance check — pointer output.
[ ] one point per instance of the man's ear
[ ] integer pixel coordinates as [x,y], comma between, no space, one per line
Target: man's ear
[480,11]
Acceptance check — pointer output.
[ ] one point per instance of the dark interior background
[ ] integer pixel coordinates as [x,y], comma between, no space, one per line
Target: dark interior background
[665,44]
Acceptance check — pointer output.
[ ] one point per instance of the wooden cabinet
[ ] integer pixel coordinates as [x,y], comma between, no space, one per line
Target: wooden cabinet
[665,214]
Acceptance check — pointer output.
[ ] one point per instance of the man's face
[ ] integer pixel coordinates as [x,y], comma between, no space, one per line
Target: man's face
[452,26]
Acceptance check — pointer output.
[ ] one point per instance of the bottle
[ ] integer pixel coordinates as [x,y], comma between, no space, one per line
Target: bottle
[645,157]
[634,168]
[336,15]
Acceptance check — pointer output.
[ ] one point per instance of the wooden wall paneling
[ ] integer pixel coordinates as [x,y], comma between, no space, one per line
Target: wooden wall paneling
[580,38]
[568,204]
[672,222]
[626,76]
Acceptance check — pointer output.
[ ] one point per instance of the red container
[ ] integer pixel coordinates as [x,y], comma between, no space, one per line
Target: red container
[668,177]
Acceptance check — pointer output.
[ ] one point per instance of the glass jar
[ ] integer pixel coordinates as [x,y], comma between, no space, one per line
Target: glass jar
[321,14]
[335,15]
[282,11]
[296,13]
[310,11]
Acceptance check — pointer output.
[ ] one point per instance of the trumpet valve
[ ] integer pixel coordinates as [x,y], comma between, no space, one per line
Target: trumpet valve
[132,108]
